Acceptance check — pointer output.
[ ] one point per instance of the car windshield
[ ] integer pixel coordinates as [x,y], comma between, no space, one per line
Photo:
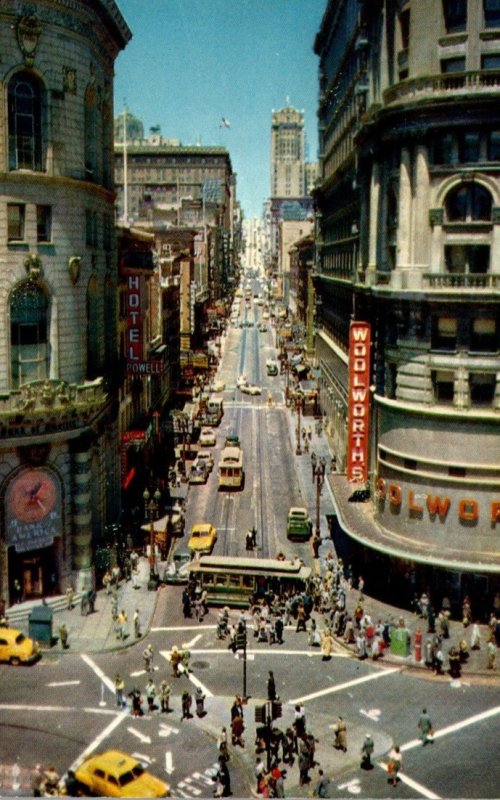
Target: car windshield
[20,638]
[131,775]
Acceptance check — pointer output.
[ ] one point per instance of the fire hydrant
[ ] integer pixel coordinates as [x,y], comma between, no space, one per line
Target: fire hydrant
[418,645]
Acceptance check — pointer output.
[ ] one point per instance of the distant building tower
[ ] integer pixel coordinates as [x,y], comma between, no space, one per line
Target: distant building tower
[287,153]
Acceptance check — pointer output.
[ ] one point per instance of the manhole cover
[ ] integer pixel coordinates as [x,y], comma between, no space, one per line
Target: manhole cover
[200,664]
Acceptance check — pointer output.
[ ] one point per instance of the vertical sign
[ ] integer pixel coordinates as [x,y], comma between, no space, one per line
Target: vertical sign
[359,402]
[134,321]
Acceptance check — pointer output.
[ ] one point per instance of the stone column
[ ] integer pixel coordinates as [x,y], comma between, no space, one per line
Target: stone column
[404,210]
[82,517]
[420,228]
[373,244]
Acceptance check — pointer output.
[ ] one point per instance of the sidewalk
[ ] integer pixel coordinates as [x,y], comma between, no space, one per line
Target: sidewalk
[477,664]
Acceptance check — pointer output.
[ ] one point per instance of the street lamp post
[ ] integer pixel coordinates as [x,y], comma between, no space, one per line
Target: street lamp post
[318,472]
[151,508]
[298,406]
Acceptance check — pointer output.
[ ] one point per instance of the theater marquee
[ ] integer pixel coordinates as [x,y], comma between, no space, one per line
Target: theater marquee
[359,402]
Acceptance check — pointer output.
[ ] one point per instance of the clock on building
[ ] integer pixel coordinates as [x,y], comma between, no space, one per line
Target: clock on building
[33,495]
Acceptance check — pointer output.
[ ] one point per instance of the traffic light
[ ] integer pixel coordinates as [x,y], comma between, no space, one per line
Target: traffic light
[276,710]
[260,714]
[240,641]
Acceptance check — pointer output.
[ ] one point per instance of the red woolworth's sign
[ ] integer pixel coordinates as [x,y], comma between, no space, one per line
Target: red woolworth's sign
[134,320]
[359,402]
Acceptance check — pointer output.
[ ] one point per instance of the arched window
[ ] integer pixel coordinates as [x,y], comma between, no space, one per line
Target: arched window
[26,107]
[90,134]
[468,203]
[29,325]
[93,328]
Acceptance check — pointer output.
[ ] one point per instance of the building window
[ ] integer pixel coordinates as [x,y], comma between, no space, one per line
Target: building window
[444,333]
[484,336]
[91,228]
[467,258]
[453,65]
[482,389]
[90,134]
[29,348]
[494,146]
[43,223]
[455,15]
[469,202]
[491,61]
[26,108]
[491,10]
[15,222]
[445,149]
[469,148]
[442,381]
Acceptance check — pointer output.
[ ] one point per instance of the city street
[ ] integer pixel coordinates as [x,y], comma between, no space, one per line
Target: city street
[64,707]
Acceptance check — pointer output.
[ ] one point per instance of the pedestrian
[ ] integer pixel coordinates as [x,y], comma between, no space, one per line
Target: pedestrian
[91,600]
[137,624]
[200,702]
[237,728]
[70,596]
[51,779]
[340,730]
[278,629]
[37,781]
[150,694]
[223,780]
[222,744]
[314,639]
[299,723]
[119,689]
[315,545]
[186,701]
[492,653]
[259,771]
[122,625]
[394,765]
[323,786]
[271,687]
[304,764]
[475,637]
[164,695]
[425,727]
[106,582]
[254,537]
[249,540]
[84,603]
[301,618]
[17,591]
[136,699]
[72,787]
[63,635]
[367,749]
[147,656]
[114,608]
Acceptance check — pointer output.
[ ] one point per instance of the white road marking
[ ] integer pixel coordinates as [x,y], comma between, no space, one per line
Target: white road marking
[141,736]
[142,757]
[98,671]
[64,683]
[417,787]
[137,673]
[371,713]
[166,730]
[169,767]
[57,709]
[102,736]
[340,686]
[193,641]
[456,726]
[353,786]
[174,628]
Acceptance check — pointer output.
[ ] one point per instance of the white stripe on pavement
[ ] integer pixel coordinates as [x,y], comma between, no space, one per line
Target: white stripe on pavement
[102,736]
[182,669]
[98,671]
[417,787]
[340,686]
[219,652]
[56,709]
[456,726]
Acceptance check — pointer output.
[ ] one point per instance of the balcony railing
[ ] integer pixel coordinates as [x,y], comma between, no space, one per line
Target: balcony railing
[462,281]
[444,84]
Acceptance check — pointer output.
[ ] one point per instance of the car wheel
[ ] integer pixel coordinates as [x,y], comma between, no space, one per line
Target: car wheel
[15,661]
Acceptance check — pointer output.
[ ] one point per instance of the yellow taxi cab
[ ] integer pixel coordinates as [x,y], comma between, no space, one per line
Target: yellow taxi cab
[16,648]
[115,774]
[202,539]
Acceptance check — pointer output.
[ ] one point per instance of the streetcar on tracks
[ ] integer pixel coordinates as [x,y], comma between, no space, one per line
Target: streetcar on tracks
[232,581]
[231,475]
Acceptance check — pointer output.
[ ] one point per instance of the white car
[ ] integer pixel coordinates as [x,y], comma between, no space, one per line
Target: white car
[241,381]
[250,388]
[207,437]
[218,386]
[206,458]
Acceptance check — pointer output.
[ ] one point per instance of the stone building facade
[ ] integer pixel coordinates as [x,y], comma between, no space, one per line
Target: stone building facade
[59,466]
[409,241]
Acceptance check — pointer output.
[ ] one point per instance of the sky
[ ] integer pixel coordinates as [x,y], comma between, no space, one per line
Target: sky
[192,62]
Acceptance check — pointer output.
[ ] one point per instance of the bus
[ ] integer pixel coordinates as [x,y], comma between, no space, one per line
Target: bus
[231,581]
[231,475]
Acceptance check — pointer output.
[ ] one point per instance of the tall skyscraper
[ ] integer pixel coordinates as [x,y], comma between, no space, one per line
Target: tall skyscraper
[287,153]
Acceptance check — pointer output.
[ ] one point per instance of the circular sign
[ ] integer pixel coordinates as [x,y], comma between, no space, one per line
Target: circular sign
[33,495]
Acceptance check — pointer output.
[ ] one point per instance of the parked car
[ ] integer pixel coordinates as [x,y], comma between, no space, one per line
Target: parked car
[16,648]
[262,327]
[115,774]
[232,439]
[271,366]
[178,570]
[202,539]
[206,458]
[198,472]
[298,523]
[207,437]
